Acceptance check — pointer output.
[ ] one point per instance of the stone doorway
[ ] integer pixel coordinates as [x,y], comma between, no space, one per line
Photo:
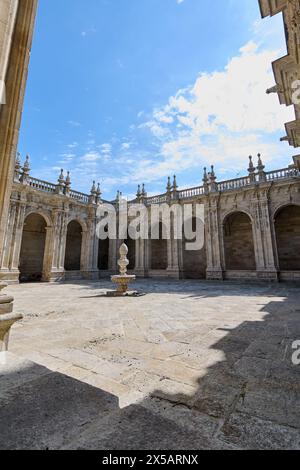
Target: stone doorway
[33,249]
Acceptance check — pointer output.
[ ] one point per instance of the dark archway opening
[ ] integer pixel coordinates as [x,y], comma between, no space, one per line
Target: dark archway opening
[103,254]
[194,261]
[159,251]
[238,243]
[33,249]
[73,247]
[287,227]
[131,252]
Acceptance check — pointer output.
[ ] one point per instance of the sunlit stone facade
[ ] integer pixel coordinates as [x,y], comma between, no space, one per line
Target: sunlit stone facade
[287,68]
[252,230]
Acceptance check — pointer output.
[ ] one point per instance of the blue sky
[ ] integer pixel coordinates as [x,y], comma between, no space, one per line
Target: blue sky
[131,91]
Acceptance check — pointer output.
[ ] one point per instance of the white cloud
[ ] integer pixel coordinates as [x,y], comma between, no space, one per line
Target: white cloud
[224,117]
[91,156]
[105,148]
[74,123]
[126,146]
[73,145]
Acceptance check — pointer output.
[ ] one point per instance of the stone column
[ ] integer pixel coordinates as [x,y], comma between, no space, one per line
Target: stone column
[55,248]
[173,270]
[215,270]
[112,256]
[262,237]
[13,240]
[141,262]
[90,246]
[7,318]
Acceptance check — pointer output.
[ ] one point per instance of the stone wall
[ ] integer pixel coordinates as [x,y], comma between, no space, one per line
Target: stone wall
[16,30]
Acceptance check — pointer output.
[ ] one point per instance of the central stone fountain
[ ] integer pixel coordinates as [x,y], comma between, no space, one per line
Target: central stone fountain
[123,279]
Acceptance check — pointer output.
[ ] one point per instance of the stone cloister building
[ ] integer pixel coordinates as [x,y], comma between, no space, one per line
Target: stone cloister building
[252,230]
[47,231]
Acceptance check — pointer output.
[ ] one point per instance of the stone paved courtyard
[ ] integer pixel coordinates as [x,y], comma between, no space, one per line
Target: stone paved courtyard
[189,365]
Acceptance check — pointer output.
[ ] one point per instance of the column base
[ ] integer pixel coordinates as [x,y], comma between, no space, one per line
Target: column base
[140,272]
[268,275]
[10,277]
[215,275]
[90,275]
[54,276]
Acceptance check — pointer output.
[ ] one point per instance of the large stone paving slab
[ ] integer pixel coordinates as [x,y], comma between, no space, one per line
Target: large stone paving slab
[189,365]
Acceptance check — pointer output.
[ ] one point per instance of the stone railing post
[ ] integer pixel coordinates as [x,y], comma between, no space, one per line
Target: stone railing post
[7,318]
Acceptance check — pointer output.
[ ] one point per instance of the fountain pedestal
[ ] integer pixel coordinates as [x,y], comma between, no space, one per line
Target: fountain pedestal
[7,318]
[123,279]
[122,284]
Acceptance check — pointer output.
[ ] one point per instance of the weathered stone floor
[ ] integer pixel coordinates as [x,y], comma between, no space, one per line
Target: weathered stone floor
[190,365]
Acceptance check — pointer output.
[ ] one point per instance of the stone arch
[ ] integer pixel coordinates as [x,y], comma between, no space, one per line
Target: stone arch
[238,242]
[46,216]
[73,246]
[287,230]
[159,251]
[194,262]
[32,254]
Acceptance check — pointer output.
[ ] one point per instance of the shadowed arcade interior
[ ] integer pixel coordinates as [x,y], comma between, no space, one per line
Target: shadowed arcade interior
[73,246]
[238,243]
[33,249]
[287,227]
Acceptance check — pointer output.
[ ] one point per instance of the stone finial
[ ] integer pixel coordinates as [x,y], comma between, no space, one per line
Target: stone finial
[93,189]
[61,181]
[92,198]
[175,186]
[169,186]
[251,170]
[261,169]
[205,181]
[98,193]
[144,193]
[61,178]
[138,193]
[212,180]
[17,167]
[68,184]
[25,171]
